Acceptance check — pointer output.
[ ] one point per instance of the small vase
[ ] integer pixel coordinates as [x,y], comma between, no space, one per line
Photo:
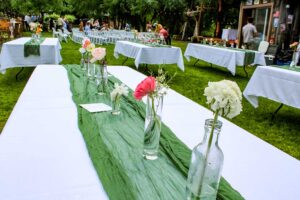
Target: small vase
[82,62]
[152,127]
[90,70]
[101,77]
[206,165]
[87,63]
[116,104]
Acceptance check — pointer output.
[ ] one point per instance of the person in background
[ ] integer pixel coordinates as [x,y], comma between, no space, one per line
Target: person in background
[127,27]
[96,24]
[59,23]
[81,26]
[249,32]
[87,27]
[51,23]
[163,32]
[27,21]
[149,27]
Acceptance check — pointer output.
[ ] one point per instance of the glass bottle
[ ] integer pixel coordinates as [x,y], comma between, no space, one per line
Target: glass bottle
[206,165]
[152,127]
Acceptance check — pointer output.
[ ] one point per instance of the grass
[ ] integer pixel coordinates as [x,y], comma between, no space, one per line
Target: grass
[282,132]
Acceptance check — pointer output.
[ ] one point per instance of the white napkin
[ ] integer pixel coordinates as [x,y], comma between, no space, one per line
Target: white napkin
[96,107]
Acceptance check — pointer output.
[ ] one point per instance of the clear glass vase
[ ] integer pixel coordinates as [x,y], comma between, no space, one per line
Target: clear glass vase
[152,127]
[101,77]
[87,63]
[206,165]
[90,70]
[116,104]
[82,65]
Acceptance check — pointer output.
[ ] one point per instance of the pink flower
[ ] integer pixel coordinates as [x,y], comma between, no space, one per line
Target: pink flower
[85,43]
[98,54]
[147,86]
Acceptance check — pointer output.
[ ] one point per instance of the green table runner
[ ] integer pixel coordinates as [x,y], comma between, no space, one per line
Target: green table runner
[249,54]
[287,67]
[32,47]
[153,44]
[115,145]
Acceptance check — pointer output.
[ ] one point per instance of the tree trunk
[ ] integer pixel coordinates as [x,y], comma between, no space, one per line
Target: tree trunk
[197,25]
[219,18]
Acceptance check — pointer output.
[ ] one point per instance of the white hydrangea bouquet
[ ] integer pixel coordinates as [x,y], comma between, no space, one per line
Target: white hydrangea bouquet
[225,98]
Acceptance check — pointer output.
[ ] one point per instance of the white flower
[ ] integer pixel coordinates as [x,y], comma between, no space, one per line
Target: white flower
[118,91]
[224,96]
[82,50]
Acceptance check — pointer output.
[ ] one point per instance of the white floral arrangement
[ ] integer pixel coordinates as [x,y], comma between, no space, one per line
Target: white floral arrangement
[225,98]
[118,91]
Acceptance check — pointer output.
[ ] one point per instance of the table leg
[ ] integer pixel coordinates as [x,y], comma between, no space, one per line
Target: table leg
[196,62]
[19,73]
[125,60]
[245,71]
[276,111]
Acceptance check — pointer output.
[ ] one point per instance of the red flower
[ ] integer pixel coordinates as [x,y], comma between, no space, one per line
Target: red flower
[147,86]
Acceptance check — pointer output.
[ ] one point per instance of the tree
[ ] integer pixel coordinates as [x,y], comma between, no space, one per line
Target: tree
[38,6]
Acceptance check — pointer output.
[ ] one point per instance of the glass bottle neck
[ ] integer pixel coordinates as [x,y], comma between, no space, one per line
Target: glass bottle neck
[212,131]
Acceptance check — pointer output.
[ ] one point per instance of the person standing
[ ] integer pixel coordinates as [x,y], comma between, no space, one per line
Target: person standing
[249,32]
[27,20]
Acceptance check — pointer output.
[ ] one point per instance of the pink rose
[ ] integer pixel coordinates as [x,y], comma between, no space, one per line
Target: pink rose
[98,54]
[147,86]
[85,43]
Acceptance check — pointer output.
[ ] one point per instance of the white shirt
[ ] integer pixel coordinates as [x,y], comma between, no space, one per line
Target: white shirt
[248,32]
[27,19]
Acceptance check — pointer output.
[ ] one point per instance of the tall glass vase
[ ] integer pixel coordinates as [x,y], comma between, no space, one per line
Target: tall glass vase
[152,127]
[206,165]
[101,77]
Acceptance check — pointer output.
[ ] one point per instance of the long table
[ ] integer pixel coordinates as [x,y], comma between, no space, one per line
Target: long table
[274,83]
[229,58]
[144,54]
[43,155]
[12,54]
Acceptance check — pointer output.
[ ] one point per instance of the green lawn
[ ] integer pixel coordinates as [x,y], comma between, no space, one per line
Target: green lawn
[282,132]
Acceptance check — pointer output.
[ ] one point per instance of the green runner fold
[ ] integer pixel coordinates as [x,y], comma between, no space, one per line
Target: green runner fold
[32,47]
[115,145]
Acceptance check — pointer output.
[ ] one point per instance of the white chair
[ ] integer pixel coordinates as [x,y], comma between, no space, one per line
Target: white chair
[62,36]
[263,48]
[55,33]
[67,32]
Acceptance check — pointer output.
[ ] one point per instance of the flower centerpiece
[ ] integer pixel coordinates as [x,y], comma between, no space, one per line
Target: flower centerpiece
[294,47]
[116,95]
[86,49]
[36,29]
[100,69]
[154,89]
[224,98]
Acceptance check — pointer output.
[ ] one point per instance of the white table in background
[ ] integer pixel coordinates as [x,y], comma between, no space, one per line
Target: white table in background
[224,57]
[144,54]
[43,155]
[277,84]
[12,54]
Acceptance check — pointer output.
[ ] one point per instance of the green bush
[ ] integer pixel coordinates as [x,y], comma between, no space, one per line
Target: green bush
[70,18]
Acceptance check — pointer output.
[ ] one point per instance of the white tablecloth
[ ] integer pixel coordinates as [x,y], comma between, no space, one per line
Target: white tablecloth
[229,34]
[43,155]
[224,57]
[12,54]
[277,84]
[144,54]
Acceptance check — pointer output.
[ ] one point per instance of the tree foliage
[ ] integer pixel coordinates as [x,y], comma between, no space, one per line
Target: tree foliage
[170,13]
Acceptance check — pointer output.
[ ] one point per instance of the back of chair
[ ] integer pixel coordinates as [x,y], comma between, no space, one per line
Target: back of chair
[263,46]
